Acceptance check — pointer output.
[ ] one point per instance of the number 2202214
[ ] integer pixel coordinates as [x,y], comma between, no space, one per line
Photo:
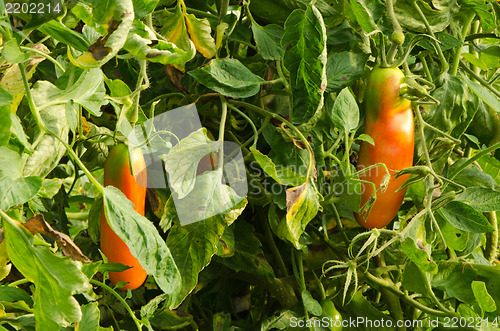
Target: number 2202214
[33,8]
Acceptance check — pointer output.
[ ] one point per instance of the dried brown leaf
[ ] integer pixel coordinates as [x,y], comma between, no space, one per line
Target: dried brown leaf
[37,224]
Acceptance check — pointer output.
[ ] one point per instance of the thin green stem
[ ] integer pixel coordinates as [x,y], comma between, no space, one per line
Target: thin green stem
[282,76]
[472,160]
[47,56]
[465,30]
[249,120]
[19,282]
[391,287]
[421,124]
[274,248]
[339,223]
[80,164]
[426,68]
[397,31]
[494,79]
[31,103]
[267,113]
[479,79]
[116,295]
[442,58]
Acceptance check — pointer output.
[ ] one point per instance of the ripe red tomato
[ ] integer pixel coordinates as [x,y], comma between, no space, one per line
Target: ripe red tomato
[117,172]
[389,121]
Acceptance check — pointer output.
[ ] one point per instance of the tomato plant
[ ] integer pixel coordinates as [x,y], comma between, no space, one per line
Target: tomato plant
[352,176]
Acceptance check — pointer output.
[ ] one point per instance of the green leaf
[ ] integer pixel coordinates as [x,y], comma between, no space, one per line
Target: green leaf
[268,40]
[143,44]
[348,188]
[193,246]
[10,163]
[56,278]
[359,306]
[19,191]
[488,97]
[5,124]
[182,161]
[305,58]
[310,303]
[65,35]
[49,150]
[367,138]
[455,238]
[302,204]
[446,42]
[143,240]
[363,16]
[12,294]
[465,217]
[12,53]
[144,7]
[113,20]
[5,97]
[228,77]
[281,174]
[71,115]
[419,256]
[170,320]
[248,255]
[482,296]
[472,176]
[173,27]
[455,279]
[88,91]
[90,317]
[475,61]
[483,10]
[343,69]
[415,279]
[481,198]
[345,111]
[438,16]
[200,33]
[209,197]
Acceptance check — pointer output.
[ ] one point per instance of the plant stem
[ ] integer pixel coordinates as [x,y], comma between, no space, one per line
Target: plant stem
[444,63]
[31,103]
[249,120]
[391,287]
[274,248]
[222,125]
[420,126]
[116,295]
[80,164]
[47,56]
[396,29]
[472,160]
[392,299]
[479,79]
[465,30]
[267,113]
[491,249]
[19,282]
[426,68]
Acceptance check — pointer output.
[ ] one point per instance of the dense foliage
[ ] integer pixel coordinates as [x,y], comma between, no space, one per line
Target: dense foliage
[285,81]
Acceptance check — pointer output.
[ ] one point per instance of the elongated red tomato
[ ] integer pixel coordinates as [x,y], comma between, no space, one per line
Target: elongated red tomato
[389,121]
[132,182]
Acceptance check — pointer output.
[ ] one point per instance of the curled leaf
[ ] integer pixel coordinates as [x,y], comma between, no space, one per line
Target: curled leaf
[37,224]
